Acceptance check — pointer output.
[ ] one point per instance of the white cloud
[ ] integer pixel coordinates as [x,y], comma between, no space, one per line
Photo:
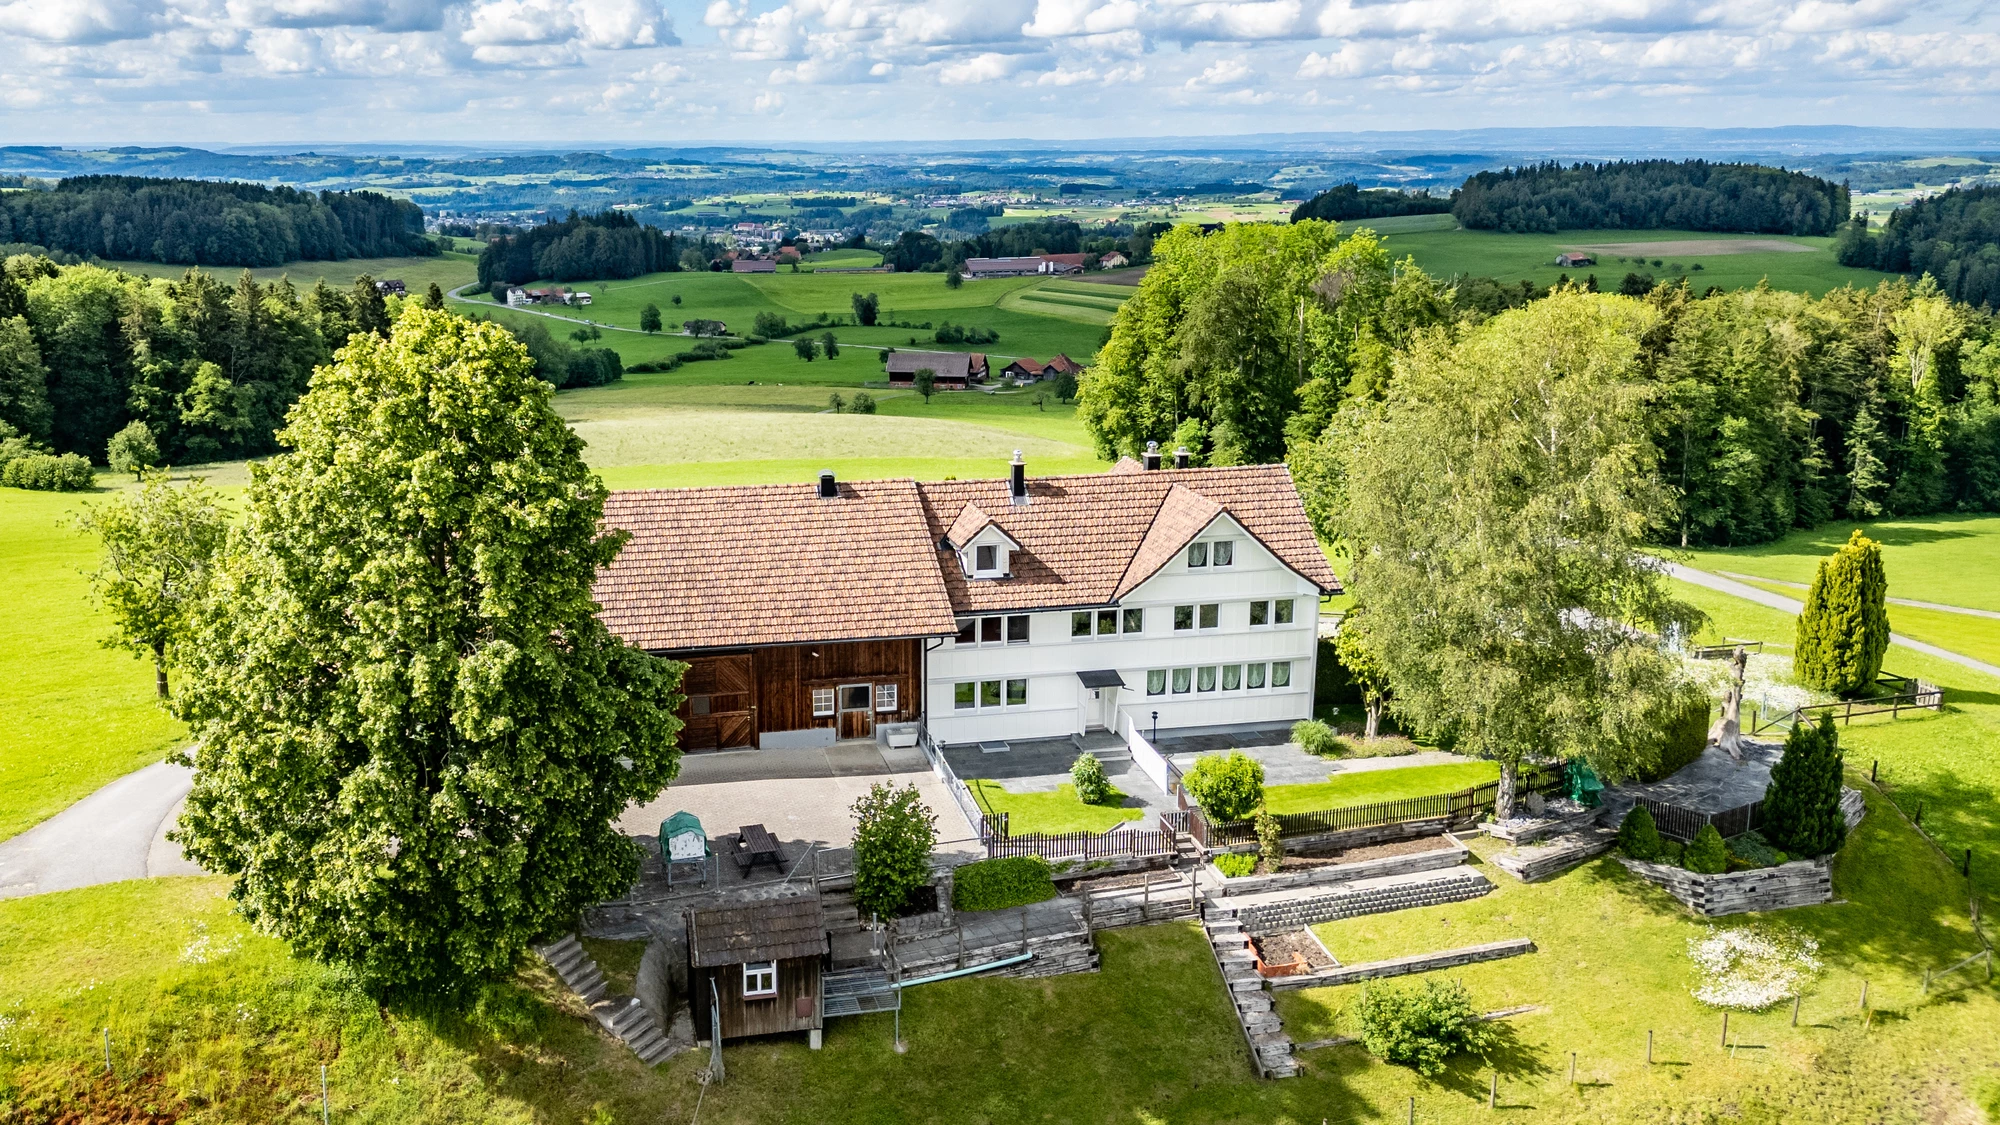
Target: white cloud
[770,101]
[1226,72]
[82,21]
[599,24]
[987,67]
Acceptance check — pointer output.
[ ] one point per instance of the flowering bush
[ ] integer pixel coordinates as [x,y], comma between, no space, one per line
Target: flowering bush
[1750,970]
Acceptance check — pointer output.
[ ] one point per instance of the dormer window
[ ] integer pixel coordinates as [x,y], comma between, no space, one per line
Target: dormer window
[986,558]
[986,553]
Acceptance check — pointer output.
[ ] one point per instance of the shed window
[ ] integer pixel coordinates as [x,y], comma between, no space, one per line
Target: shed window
[822,702]
[697,705]
[885,697]
[854,697]
[760,978]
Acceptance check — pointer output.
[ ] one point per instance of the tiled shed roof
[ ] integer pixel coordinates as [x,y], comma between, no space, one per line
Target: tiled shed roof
[772,564]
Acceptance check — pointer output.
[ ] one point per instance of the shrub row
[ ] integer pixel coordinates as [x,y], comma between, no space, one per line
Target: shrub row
[47,472]
[996,884]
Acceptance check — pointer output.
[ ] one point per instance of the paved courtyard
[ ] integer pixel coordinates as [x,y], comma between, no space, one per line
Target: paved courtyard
[1285,763]
[1042,766]
[802,796]
[1712,783]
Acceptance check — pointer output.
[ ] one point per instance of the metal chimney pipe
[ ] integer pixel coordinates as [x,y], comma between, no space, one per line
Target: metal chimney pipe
[1018,487]
[1181,457]
[828,490]
[1152,455]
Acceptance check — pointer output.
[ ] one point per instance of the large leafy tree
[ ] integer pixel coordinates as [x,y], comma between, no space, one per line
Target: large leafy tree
[412,730]
[1496,505]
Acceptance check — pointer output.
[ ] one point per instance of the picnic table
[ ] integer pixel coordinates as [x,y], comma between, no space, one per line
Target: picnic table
[755,842]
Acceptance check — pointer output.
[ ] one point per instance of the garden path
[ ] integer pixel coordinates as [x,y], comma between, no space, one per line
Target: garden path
[1911,602]
[116,833]
[1783,604]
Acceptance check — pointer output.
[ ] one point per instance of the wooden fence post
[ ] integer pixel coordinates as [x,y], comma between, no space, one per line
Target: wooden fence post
[1725,1029]
[1795,1009]
[1649,1046]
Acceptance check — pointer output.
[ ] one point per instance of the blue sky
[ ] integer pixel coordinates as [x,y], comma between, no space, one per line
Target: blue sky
[673,71]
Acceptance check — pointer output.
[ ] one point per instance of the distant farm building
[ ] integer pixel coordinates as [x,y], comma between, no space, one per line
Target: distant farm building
[392,285]
[955,371]
[1113,261]
[753,265]
[1030,266]
[1573,258]
[1024,370]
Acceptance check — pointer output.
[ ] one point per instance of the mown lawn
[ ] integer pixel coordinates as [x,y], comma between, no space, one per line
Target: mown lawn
[73,714]
[1058,811]
[448,270]
[1954,560]
[1510,258]
[1611,964]
[1368,787]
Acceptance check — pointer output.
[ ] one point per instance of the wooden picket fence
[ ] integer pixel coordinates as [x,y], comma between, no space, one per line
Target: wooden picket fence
[1463,805]
[1081,846]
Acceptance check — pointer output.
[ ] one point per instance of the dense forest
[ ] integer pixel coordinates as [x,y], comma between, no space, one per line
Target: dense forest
[210,368]
[609,244]
[1774,410]
[198,222]
[1651,194]
[1350,201]
[1954,237]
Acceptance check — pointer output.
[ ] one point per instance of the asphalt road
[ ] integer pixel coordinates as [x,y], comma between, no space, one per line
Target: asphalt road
[116,833]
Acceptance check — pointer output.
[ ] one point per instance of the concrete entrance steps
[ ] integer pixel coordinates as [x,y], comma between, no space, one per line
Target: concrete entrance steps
[622,1016]
[1270,1047]
[1102,745]
[1294,908]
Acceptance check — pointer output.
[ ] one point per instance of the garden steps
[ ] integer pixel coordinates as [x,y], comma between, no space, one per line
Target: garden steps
[623,1016]
[1270,1047]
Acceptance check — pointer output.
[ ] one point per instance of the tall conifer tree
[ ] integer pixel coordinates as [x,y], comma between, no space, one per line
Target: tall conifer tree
[1844,630]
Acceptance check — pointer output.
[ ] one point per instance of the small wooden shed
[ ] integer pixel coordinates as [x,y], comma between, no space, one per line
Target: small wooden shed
[762,963]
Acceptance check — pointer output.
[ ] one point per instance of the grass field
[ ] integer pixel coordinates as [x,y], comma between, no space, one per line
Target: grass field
[1954,560]
[1058,811]
[1448,252]
[448,270]
[76,715]
[1610,964]
[1368,787]
[1059,321]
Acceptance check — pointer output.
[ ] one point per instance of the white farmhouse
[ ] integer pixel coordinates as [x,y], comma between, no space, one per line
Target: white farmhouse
[985,610]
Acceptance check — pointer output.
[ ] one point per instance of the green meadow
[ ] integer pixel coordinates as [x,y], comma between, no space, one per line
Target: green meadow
[449,271]
[1445,250]
[1953,560]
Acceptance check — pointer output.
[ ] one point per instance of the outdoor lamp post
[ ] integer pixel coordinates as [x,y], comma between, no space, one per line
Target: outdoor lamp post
[1156,730]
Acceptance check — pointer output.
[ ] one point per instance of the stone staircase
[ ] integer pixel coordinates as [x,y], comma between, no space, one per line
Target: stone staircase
[1102,745]
[1270,1047]
[1291,909]
[622,1016]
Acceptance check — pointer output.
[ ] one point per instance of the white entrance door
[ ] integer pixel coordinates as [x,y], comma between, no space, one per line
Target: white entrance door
[1104,709]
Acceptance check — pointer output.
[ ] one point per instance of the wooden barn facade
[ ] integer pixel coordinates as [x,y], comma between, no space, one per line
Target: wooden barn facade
[837,690]
[755,970]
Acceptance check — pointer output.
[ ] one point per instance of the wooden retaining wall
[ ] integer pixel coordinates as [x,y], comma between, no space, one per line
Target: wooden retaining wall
[1403,966]
[1804,882]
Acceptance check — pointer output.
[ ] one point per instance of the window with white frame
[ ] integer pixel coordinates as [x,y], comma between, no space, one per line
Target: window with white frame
[1281,673]
[1253,676]
[1017,629]
[1204,679]
[1135,620]
[1183,680]
[1221,553]
[1211,616]
[1079,624]
[1183,617]
[1197,555]
[985,558]
[760,978]
[1232,677]
[1281,611]
[989,695]
[1156,682]
[1010,630]
[1107,622]
[822,702]
[1260,614]
[885,697]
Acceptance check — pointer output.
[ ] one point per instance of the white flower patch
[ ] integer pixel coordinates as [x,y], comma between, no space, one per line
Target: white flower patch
[1768,686]
[1750,970]
[204,948]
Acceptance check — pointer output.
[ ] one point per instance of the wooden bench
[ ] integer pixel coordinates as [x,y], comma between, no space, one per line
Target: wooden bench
[754,842]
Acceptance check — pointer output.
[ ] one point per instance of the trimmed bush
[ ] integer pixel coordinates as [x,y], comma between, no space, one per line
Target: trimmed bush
[998,884]
[1752,850]
[1802,804]
[1672,851]
[46,472]
[1421,1027]
[1843,631]
[1270,840]
[1639,837]
[1318,739]
[1087,774]
[1683,733]
[1235,866]
[1227,788]
[894,833]
[1707,855]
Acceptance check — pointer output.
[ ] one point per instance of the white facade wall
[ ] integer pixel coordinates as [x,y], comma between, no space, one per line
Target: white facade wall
[1056,702]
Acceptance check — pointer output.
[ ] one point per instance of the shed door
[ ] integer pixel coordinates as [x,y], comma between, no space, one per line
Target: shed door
[857,710]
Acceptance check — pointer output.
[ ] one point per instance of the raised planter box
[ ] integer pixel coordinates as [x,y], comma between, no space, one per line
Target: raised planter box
[1803,882]
[1527,833]
[1539,861]
[1449,856]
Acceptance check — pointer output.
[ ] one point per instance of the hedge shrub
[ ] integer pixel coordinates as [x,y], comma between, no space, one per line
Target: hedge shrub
[1639,837]
[1421,1027]
[1318,739]
[1707,855]
[1087,774]
[997,884]
[46,472]
[1235,866]
[1227,789]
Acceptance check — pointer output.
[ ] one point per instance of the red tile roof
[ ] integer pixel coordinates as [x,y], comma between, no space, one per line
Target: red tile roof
[774,564]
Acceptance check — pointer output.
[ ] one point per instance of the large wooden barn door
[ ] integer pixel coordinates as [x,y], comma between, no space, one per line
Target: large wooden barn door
[720,713]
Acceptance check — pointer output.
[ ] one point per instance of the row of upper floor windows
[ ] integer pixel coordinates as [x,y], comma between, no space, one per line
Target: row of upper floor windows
[989,560]
[1086,624]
